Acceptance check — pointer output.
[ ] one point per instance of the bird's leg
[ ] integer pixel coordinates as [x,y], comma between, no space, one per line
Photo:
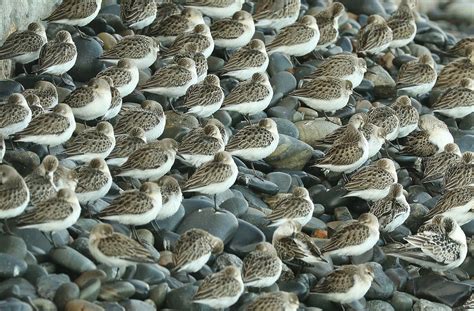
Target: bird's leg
[317,55]
[134,233]
[6,228]
[345,178]
[155,226]
[172,101]
[247,118]
[327,118]
[295,61]
[81,33]
[24,68]
[255,172]
[216,208]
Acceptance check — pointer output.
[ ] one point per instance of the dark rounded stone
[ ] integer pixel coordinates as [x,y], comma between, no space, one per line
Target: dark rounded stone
[13,304]
[237,206]
[437,288]
[117,290]
[72,259]
[278,62]
[90,289]
[282,180]
[286,127]
[158,294]
[142,289]
[87,64]
[8,87]
[220,224]
[172,222]
[291,153]
[345,43]
[181,298]
[12,245]
[283,82]
[383,287]
[65,293]
[11,266]
[34,272]
[245,239]
[48,285]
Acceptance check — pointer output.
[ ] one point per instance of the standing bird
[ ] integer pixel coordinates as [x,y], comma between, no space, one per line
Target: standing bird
[385,117]
[439,245]
[375,36]
[213,177]
[246,61]
[55,214]
[50,129]
[346,284]
[403,25]
[58,56]
[407,115]
[149,116]
[204,98]
[458,101]
[354,238]
[197,149]
[137,14]
[262,267]
[294,246]
[125,145]
[152,161]
[297,39]
[115,101]
[254,142]
[233,33]
[297,207]
[115,249]
[75,12]
[251,96]
[134,207]
[35,105]
[24,46]
[90,101]
[194,248]
[393,210]
[40,181]
[93,181]
[201,36]
[2,148]
[372,182]
[141,50]
[14,194]
[453,73]
[432,138]
[171,197]
[328,23]
[173,80]
[324,93]
[348,153]
[460,173]
[15,115]
[221,289]
[167,29]
[457,203]
[191,50]
[436,165]
[124,76]
[274,301]
[216,9]
[46,92]
[276,14]
[92,143]
[417,77]
[343,66]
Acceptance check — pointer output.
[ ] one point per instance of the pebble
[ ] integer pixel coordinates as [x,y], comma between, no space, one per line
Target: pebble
[220,224]
[401,301]
[65,293]
[423,305]
[311,131]
[116,291]
[13,245]
[278,62]
[90,289]
[87,64]
[384,84]
[48,285]
[11,266]
[282,180]
[236,206]
[439,289]
[383,288]
[377,305]
[245,239]
[291,153]
[286,127]
[72,259]
[14,304]
[281,112]
[283,82]
[8,87]
[79,304]
[181,298]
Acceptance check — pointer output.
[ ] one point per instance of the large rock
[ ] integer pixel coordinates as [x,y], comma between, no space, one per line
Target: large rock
[17,15]
[311,131]
[291,153]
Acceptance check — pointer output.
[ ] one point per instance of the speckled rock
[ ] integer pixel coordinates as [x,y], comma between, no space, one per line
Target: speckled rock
[291,153]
